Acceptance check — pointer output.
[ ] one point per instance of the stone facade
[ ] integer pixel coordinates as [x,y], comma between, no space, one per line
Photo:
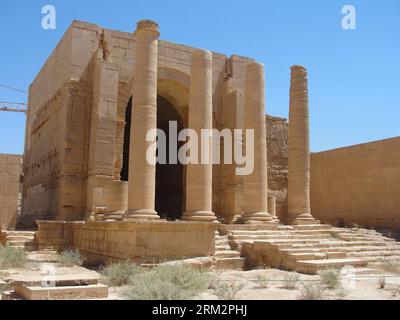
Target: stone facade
[106,242]
[77,152]
[10,175]
[358,185]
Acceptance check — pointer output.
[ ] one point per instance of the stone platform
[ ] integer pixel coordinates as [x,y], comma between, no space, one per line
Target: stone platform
[104,242]
[67,284]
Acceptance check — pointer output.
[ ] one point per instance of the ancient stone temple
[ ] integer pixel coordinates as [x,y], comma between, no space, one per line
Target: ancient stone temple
[90,177]
[93,179]
[93,103]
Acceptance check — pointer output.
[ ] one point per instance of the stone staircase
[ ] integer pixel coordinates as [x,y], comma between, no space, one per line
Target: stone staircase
[309,248]
[225,257]
[34,286]
[19,239]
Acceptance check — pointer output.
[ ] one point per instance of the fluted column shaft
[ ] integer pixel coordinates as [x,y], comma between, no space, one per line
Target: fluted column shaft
[141,184]
[255,184]
[199,176]
[299,149]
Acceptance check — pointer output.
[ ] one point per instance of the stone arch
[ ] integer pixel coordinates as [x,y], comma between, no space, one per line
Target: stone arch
[174,86]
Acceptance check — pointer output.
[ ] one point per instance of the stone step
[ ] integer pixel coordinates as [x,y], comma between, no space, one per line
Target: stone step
[354,243]
[375,253]
[57,280]
[227,253]
[279,232]
[224,228]
[19,238]
[279,237]
[312,227]
[236,263]
[366,248]
[222,247]
[306,256]
[313,249]
[20,233]
[313,266]
[96,291]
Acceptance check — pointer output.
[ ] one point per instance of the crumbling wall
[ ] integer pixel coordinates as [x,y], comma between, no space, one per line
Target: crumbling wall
[10,174]
[358,185]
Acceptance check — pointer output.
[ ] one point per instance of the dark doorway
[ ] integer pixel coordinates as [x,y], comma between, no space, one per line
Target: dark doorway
[169,177]
[127,135]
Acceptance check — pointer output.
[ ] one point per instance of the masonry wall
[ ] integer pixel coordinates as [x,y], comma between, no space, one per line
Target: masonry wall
[10,173]
[358,185]
[277,154]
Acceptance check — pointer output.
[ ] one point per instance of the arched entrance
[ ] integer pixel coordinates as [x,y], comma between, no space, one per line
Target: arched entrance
[172,105]
[170,176]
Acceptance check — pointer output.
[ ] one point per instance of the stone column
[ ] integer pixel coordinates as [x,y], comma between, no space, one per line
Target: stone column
[255,184]
[299,150]
[141,184]
[199,176]
[272,208]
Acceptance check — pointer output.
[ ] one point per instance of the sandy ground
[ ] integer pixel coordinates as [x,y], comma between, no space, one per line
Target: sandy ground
[362,288]
[263,284]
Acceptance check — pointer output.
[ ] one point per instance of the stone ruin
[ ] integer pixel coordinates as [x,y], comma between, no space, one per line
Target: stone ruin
[87,182]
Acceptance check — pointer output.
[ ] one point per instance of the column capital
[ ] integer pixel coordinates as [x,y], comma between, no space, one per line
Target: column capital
[147,25]
[300,70]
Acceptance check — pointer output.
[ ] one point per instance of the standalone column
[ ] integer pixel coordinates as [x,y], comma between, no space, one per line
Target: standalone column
[255,184]
[299,150]
[199,176]
[141,184]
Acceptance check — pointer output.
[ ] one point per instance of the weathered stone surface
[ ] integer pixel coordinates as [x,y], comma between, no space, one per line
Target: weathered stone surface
[121,240]
[277,146]
[10,175]
[94,291]
[358,185]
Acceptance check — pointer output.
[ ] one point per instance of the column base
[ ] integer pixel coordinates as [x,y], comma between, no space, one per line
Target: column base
[141,214]
[200,216]
[303,218]
[114,216]
[256,218]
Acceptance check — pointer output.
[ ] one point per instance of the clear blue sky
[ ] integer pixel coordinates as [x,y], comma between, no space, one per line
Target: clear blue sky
[354,75]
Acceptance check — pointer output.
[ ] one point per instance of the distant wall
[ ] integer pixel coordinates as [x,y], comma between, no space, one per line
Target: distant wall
[10,173]
[277,146]
[358,184]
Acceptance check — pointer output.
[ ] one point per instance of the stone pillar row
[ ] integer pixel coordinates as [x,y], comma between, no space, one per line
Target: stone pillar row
[141,185]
